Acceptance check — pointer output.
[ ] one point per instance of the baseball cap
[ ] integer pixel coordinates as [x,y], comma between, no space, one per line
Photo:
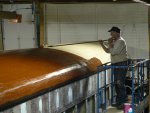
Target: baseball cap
[116,29]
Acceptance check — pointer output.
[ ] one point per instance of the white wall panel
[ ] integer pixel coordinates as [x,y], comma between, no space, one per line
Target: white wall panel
[136,36]
[129,31]
[1,42]
[107,13]
[70,23]
[20,34]
[122,13]
[143,43]
[11,43]
[87,22]
[103,31]
[26,43]
[51,14]
[10,29]
[132,47]
[77,13]
[142,30]
[74,33]
[142,48]
[26,30]
[1,38]
[53,34]
[27,18]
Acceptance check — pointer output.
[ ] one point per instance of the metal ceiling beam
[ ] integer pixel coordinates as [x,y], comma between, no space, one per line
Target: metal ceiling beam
[60,1]
[68,1]
[15,1]
[11,1]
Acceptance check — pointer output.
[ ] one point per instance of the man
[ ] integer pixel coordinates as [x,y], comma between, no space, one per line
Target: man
[118,50]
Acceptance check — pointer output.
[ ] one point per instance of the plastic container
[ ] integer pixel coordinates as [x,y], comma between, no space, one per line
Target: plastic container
[130,110]
[127,106]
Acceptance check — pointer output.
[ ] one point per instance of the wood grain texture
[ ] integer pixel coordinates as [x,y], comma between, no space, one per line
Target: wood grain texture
[26,72]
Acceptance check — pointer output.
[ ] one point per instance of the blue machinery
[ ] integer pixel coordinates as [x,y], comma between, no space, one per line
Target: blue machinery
[138,74]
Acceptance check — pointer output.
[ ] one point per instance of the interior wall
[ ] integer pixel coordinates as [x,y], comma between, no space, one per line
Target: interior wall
[1,41]
[73,23]
[19,35]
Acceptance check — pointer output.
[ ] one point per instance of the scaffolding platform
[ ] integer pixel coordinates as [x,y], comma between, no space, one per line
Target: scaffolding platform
[138,82]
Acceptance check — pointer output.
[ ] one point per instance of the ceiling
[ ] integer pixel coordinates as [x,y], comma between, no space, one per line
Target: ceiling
[69,1]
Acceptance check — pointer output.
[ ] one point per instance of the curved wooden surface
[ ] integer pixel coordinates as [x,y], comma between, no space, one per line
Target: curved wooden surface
[26,72]
[86,50]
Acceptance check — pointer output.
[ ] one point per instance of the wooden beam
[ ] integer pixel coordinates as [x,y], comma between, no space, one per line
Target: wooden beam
[70,1]
[149,46]
[1,33]
[41,9]
[149,28]
[1,38]
[39,23]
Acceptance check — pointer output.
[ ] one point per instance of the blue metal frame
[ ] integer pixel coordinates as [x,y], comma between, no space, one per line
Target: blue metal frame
[140,65]
[133,89]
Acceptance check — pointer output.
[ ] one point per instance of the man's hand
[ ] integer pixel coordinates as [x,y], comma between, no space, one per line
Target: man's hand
[110,42]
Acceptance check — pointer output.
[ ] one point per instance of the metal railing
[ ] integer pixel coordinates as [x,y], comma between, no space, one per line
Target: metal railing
[89,95]
[138,70]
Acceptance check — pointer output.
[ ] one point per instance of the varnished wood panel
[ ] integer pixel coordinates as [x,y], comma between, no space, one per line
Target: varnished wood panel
[26,72]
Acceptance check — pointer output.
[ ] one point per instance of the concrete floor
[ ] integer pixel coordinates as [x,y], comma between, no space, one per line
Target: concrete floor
[113,110]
